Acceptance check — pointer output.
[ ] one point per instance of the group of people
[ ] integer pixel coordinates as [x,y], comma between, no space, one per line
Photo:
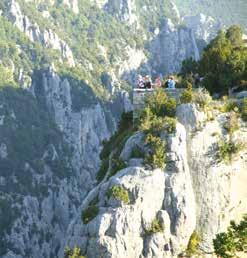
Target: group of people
[146,82]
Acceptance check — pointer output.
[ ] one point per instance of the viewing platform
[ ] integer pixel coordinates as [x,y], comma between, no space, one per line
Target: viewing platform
[139,96]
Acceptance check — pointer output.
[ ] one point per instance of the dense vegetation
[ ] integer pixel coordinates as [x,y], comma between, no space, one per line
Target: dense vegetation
[96,38]
[28,135]
[223,62]
[73,253]
[232,243]
[17,50]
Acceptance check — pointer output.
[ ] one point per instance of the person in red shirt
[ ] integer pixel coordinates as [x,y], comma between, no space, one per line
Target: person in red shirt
[157,82]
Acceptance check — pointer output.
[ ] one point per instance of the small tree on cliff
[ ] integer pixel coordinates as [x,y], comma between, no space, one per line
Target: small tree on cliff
[233,242]
[73,253]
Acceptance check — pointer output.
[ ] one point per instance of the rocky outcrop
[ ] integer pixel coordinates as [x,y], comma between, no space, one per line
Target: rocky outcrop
[135,58]
[84,137]
[171,46]
[120,231]
[204,27]
[195,193]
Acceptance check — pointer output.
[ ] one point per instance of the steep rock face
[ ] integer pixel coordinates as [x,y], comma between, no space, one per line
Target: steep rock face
[84,130]
[218,187]
[45,213]
[135,59]
[195,192]
[45,37]
[204,27]
[119,230]
[171,46]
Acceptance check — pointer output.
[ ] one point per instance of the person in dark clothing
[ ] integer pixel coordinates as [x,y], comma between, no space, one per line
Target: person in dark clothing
[148,83]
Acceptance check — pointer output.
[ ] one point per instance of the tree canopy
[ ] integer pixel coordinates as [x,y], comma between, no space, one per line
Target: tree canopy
[233,242]
[223,63]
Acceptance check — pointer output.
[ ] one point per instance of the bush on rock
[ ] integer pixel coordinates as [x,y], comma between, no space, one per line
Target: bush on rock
[119,193]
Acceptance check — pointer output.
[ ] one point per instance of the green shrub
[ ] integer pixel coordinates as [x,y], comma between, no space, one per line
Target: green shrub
[170,124]
[125,128]
[156,101]
[187,95]
[170,108]
[243,109]
[155,227]
[6,77]
[145,119]
[233,243]
[226,149]
[160,104]
[192,247]
[189,66]
[73,253]
[119,193]
[228,105]
[202,97]
[156,156]
[89,213]
[231,124]
[150,123]
[157,125]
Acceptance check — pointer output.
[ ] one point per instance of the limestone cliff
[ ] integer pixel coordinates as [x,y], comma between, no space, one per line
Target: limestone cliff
[171,46]
[194,193]
[55,192]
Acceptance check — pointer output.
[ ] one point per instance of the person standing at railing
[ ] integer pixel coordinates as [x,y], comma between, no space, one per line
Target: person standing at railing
[140,82]
[147,82]
[171,83]
[157,83]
